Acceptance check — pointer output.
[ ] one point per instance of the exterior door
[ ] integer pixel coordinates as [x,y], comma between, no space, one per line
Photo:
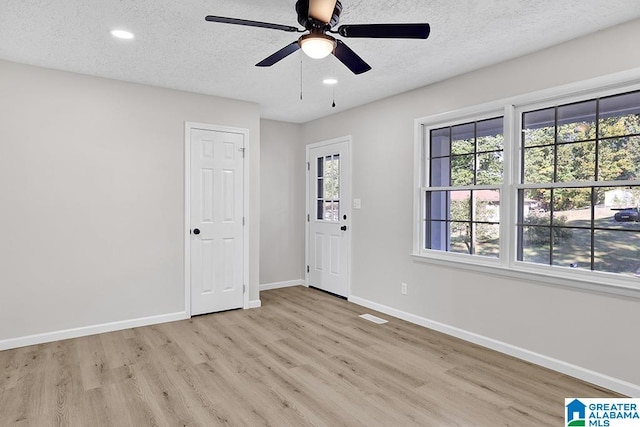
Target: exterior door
[216,223]
[329,214]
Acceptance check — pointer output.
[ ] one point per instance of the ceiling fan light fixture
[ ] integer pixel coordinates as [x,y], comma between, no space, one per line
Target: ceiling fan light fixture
[317,46]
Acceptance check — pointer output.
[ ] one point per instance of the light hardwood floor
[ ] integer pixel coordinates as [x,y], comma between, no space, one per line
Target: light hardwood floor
[304,358]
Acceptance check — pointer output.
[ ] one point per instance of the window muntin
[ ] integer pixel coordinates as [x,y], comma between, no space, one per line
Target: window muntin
[579,195]
[462,202]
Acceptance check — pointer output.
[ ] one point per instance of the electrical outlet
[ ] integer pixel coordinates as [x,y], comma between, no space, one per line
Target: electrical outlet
[403,289]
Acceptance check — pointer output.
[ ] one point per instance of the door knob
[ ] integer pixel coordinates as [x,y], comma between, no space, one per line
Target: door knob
[343,228]
[196,231]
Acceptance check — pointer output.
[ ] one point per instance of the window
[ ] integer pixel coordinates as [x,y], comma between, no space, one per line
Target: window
[462,201]
[578,200]
[328,188]
[544,186]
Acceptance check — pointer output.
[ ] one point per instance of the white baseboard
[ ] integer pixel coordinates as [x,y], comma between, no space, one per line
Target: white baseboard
[89,330]
[615,384]
[277,285]
[98,329]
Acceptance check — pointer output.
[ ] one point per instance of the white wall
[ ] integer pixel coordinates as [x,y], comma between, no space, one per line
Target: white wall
[91,193]
[589,330]
[282,186]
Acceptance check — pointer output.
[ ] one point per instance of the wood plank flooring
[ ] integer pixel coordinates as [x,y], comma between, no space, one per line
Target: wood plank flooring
[304,359]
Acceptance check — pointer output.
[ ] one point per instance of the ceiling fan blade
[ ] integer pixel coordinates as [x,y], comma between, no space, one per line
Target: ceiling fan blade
[279,55]
[386,31]
[350,58]
[321,10]
[236,21]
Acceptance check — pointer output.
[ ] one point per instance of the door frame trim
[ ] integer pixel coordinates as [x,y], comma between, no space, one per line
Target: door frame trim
[348,139]
[188,126]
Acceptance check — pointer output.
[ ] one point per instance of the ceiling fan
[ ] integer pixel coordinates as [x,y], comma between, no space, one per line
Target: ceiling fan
[318,17]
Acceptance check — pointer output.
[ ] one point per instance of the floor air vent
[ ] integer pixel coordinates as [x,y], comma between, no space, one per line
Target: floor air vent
[373,319]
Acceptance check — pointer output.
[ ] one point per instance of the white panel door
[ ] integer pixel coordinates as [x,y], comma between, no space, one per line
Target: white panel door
[329,210]
[216,221]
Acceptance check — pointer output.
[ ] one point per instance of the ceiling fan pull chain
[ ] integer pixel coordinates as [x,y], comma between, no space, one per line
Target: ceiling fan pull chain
[300,77]
[333,87]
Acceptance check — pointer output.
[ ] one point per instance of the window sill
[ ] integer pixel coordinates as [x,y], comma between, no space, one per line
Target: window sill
[550,276]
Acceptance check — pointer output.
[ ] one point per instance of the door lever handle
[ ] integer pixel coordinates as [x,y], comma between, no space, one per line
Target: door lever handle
[343,228]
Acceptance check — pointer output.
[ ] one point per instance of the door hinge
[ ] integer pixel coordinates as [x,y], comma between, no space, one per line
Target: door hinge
[307,268]
[244,289]
[307,217]
[308,166]
[243,221]
[243,150]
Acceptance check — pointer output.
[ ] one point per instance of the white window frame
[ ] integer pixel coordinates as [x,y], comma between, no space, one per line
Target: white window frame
[507,265]
[425,128]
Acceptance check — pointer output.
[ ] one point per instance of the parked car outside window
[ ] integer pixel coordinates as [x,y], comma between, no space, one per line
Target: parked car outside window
[626,215]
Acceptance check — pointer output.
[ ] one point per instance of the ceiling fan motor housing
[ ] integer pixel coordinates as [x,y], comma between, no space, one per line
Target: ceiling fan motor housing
[302,9]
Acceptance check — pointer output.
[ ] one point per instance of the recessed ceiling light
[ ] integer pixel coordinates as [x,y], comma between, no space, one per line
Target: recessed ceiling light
[122,34]
[330,81]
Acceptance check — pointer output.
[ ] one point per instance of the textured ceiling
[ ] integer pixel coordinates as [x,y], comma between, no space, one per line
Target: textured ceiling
[176,48]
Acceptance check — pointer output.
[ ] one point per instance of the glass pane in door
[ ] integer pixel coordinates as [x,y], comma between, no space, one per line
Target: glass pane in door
[328,188]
